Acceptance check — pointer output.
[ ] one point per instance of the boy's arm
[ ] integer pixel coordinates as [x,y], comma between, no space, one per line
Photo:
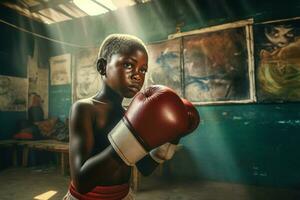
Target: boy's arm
[87,171]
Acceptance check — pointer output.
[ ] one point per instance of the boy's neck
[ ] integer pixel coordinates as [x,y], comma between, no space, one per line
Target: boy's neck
[109,95]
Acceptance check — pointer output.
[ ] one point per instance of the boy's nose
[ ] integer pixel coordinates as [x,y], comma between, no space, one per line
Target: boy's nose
[136,77]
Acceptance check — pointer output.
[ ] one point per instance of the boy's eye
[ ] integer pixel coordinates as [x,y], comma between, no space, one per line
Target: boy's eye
[128,65]
[143,71]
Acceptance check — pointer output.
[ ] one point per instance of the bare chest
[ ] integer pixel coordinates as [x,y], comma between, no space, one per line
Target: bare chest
[105,120]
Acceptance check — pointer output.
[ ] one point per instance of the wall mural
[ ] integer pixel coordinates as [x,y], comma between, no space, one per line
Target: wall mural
[164,65]
[277,46]
[216,66]
[13,93]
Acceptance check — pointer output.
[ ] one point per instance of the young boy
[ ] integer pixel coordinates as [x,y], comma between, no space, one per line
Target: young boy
[98,168]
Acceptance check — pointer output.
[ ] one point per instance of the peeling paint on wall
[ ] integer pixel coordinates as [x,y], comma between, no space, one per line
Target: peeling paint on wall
[292,122]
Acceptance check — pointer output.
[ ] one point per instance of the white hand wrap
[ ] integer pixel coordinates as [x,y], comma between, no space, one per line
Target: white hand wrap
[163,152]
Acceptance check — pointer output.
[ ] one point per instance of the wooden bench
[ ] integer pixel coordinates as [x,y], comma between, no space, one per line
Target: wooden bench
[46,145]
[42,145]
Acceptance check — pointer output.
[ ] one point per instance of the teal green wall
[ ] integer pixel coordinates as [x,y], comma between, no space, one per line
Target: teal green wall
[251,144]
[60,101]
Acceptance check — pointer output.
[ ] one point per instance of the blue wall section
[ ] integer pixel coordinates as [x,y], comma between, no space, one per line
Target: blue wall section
[60,100]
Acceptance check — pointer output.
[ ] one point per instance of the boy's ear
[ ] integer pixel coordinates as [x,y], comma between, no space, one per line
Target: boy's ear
[101,66]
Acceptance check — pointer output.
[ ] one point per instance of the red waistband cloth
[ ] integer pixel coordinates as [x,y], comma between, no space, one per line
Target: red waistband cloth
[114,192]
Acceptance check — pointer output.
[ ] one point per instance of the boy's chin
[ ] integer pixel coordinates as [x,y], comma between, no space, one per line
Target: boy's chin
[130,93]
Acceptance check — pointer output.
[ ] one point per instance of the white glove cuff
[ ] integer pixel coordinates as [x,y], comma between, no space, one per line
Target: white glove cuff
[125,144]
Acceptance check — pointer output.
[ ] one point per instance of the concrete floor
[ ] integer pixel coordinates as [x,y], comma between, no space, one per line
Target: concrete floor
[27,183]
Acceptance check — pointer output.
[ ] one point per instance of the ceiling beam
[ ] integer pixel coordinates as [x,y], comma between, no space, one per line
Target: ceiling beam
[49,4]
[23,4]
[58,9]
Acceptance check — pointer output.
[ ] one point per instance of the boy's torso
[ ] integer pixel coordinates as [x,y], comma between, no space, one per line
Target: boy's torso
[105,118]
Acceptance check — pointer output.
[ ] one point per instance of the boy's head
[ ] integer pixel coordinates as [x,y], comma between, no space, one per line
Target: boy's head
[119,43]
[123,62]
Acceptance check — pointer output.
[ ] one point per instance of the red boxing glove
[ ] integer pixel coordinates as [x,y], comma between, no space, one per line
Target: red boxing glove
[167,151]
[154,117]
[194,118]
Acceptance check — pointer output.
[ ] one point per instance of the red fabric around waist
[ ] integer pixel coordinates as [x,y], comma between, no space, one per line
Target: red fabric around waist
[114,192]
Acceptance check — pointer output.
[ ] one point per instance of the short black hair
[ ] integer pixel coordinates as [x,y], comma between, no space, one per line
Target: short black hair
[119,43]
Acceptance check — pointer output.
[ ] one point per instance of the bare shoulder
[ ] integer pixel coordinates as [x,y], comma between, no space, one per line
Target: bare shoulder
[88,110]
[83,103]
[82,111]
[83,106]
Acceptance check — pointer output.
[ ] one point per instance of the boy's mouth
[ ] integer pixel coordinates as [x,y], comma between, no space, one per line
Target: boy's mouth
[134,88]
